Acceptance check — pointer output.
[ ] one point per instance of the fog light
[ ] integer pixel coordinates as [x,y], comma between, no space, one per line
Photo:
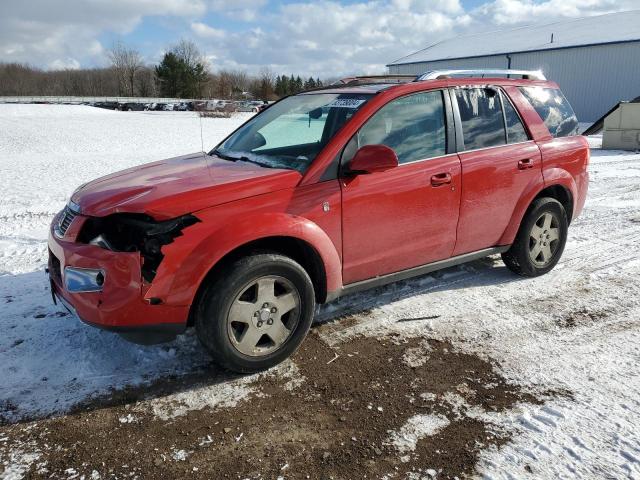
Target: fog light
[78,280]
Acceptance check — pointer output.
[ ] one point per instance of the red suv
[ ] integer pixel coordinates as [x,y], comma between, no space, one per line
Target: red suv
[324,193]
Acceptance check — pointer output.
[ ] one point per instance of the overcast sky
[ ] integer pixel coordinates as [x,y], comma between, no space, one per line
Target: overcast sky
[320,38]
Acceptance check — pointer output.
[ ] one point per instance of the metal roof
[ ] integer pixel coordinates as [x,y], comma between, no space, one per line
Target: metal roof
[596,30]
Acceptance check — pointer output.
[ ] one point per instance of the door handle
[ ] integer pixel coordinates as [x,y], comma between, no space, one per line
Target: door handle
[525,164]
[440,179]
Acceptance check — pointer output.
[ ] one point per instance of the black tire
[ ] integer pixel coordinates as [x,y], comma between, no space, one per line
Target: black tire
[213,311]
[519,257]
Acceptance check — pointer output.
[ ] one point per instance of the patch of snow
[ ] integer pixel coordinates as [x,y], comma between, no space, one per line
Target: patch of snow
[219,395]
[179,455]
[17,463]
[225,394]
[417,356]
[415,429]
[127,419]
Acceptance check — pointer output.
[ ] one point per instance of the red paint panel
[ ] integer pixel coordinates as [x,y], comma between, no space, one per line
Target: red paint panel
[492,185]
[396,219]
[565,163]
[299,213]
[174,187]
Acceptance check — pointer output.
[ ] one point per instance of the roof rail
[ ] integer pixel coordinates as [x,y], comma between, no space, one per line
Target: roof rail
[369,79]
[437,74]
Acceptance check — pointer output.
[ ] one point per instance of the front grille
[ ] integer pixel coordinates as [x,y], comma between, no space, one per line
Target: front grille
[66,217]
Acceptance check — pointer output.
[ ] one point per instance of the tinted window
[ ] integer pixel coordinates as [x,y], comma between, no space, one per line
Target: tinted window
[413,126]
[515,129]
[481,118]
[554,109]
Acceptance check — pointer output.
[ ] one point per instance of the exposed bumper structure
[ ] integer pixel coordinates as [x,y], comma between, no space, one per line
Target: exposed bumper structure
[105,289]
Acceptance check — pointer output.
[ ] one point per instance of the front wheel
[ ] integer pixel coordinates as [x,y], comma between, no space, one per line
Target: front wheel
[541,239]
[256,313]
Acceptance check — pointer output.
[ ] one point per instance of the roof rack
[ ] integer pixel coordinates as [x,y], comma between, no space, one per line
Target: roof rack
[437,74]
[369,79]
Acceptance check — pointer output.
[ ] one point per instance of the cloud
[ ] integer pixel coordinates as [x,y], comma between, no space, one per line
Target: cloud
[50,32]
[205,31]
[324,38]
[245,10]
[508,12]
[328,39]
[66,64]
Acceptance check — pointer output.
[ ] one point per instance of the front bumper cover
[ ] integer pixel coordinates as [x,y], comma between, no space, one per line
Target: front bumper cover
[118,304]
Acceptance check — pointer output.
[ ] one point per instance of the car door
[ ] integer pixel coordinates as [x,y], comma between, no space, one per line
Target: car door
[406,216]
[499,161]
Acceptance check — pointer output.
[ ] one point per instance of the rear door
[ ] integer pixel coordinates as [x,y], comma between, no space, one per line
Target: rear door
[406,216]
[499,161]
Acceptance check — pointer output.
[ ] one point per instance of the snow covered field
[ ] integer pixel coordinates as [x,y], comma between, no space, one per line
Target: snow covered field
[570,339]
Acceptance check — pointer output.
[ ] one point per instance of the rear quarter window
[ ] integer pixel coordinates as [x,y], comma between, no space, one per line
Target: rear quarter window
[554,109]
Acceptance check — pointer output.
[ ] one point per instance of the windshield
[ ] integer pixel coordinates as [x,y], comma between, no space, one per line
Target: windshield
[292,132]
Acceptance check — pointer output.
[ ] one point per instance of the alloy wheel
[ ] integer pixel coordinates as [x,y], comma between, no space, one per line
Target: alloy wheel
[544,239]
[263,315]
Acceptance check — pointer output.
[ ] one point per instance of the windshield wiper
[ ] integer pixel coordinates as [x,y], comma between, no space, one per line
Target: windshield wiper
[247,159]
[223,156]
[242,158]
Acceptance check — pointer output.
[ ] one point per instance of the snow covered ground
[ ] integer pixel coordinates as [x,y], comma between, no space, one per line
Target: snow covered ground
[573,331]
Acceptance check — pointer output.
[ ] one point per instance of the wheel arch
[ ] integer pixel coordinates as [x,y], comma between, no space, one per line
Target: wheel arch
[295,248]
[558,191]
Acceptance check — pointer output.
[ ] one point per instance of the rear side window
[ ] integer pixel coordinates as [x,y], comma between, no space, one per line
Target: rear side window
[515,129]
[481,118]
[413,126]
[554,109]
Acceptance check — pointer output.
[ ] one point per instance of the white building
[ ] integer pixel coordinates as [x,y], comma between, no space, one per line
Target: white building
[595,60]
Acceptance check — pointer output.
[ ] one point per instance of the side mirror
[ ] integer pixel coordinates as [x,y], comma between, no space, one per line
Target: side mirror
[373,158]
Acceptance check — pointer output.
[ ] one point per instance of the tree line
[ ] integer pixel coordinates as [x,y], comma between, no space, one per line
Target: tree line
[182,73]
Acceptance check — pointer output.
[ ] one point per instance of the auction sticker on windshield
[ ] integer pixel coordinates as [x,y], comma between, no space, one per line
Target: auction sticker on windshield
[346,103]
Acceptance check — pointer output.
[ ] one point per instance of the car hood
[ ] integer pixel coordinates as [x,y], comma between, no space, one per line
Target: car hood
[180,185]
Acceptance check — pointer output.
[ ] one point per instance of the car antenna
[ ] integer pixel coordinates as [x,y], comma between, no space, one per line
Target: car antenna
[197,109]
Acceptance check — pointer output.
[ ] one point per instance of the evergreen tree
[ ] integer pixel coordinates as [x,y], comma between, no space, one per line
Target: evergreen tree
[170,73]
[291,85]
[182,73]
[281,86]
[310,84]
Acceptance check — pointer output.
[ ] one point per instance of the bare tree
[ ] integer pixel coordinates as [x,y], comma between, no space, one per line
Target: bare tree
[189,52]
[239,81]
[267,81]
[126,62]
[146,82]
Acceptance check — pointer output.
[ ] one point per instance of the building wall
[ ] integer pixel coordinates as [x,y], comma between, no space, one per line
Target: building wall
[593,78]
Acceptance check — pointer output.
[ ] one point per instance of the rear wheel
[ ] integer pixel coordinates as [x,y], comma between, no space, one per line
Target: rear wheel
[541,239]
[257,313]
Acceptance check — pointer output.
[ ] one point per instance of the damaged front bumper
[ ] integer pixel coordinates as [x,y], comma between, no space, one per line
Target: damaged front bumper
[105,289]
